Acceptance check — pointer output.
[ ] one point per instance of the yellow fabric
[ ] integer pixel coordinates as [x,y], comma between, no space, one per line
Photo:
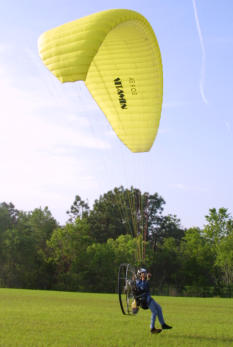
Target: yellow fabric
[117,55]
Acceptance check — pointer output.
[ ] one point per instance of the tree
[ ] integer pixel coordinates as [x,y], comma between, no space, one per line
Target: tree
[124,248]
[66,252]
[8,219]
[24,241]
[103,260]
[125,211]
[197,259]
[219,224]
[78,209]
[165,264]
[8,216]
[219,233]
[9,243]
[224,258]
[129,211]
[165,227]
[99,276]
[106,219]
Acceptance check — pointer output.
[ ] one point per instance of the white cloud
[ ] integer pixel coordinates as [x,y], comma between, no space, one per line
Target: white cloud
[3,47]
[179,186]
[42,133]
[228,126]
[33,114]
[188,188]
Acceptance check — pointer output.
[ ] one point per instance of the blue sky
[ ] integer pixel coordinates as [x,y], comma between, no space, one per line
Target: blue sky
[56,143]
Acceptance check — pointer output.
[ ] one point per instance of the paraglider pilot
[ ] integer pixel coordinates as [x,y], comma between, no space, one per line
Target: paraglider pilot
[144,299]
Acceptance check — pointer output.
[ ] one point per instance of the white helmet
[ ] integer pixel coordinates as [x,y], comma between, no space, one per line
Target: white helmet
[141,271]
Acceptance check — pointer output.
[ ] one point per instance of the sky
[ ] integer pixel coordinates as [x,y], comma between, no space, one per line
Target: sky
[55,142]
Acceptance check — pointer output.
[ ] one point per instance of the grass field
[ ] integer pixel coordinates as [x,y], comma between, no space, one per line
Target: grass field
[43,318]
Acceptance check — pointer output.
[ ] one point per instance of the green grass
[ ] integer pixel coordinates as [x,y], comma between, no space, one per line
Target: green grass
[43,318]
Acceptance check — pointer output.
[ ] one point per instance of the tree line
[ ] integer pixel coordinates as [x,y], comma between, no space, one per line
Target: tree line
[123,226]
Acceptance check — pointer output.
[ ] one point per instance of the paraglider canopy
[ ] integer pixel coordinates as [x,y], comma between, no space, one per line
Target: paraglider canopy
[117,54]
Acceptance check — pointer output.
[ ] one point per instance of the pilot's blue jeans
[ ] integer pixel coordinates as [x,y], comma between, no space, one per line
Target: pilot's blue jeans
[156,311]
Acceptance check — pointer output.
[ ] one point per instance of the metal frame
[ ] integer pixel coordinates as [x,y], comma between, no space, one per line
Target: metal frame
[126,281]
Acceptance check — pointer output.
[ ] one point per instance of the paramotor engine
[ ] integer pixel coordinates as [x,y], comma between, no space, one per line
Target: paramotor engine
[127,288]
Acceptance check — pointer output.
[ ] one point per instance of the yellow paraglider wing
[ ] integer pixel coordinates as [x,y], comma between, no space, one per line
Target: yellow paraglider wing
[117,55]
